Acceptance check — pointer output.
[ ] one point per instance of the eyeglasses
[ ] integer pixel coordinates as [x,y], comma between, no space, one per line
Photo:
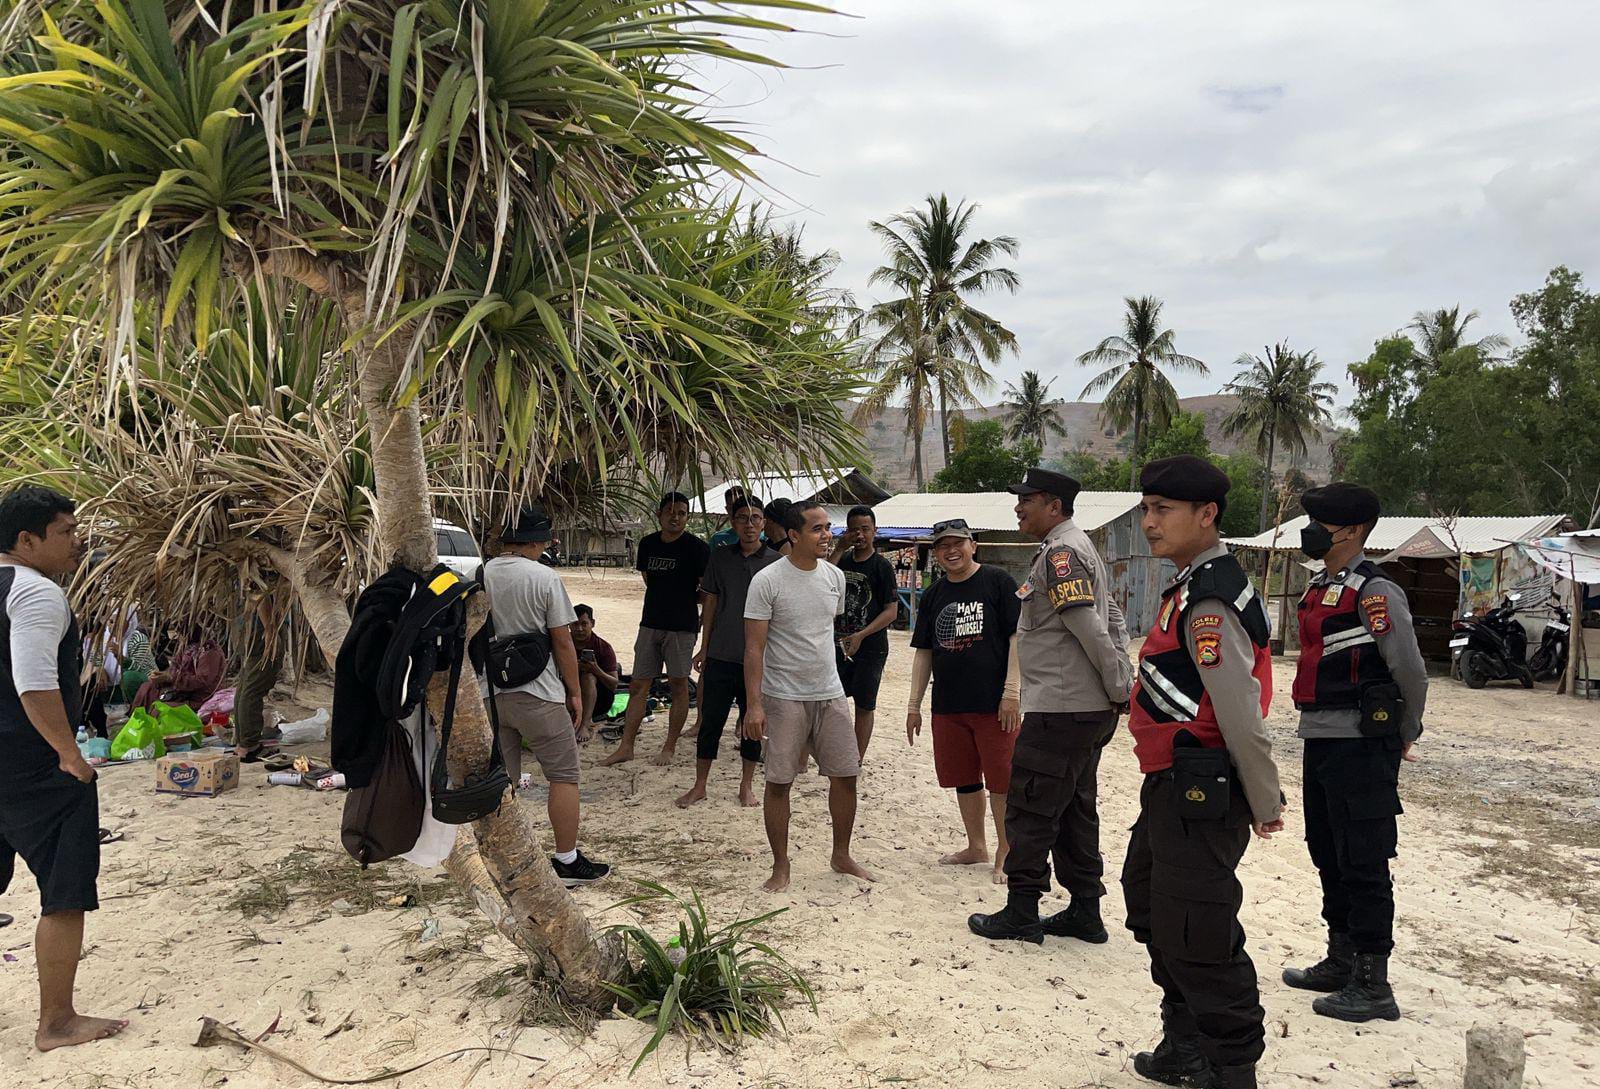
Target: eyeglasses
[949,525]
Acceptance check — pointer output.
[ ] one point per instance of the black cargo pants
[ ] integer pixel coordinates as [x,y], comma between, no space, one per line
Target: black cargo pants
[1183,900]
[1352,796]
[1052,806]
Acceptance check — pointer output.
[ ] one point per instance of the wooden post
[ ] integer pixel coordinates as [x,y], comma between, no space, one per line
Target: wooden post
[1495,1057]
[1575,647]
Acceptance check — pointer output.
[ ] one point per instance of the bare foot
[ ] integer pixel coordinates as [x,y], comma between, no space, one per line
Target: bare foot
[662,758]
[621,756]
[76,1029]
[696,793]
[586,736]
[846,865]
[748,797]
[999,876]
[969,857]
[779,879]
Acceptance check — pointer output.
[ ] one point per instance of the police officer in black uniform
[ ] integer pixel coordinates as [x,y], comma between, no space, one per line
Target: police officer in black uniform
[1204,681]
[1360,687]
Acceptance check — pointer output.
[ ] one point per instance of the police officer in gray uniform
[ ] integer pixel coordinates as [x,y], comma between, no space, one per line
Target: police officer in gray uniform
[1360,687]
[1072,649]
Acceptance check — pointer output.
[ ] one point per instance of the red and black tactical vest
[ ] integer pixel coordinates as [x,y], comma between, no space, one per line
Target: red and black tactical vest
[1338,654]
[1169,694]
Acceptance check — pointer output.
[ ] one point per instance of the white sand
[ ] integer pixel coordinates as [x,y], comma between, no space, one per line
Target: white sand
[1497,919]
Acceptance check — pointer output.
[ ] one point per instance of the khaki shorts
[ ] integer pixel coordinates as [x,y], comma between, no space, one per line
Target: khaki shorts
[654,648]
[820,728]
[547,728]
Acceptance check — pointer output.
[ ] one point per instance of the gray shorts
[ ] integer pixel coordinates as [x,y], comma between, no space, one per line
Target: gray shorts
[654,648]
[813,728]
[547,728]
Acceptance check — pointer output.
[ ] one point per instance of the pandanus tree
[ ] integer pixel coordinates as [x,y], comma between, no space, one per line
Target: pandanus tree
[474,190]
[1281,403]
[1137,392]
[933,266]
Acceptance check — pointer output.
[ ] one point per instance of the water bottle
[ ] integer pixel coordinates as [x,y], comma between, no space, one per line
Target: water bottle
[83,734]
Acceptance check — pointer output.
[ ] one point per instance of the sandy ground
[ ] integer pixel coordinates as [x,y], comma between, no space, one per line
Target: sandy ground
[243,908]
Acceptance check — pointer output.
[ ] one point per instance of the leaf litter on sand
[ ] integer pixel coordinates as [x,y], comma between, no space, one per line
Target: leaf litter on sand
[325,877]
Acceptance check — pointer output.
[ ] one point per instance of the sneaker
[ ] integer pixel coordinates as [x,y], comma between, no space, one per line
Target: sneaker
[581,871]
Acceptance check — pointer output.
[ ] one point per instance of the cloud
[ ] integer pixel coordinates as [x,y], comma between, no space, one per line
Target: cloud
[1309,173]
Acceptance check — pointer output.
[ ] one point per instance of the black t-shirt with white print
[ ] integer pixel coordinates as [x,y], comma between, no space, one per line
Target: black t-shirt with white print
[968,625]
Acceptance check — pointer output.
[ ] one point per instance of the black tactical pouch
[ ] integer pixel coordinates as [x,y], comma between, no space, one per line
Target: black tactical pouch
[1203,779]
[1381,709]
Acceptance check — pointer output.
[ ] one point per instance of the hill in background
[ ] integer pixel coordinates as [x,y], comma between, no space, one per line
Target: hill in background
[890,448]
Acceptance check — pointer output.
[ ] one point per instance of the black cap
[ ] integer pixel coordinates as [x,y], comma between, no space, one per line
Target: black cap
[1187,477]
[532,527]
[1341,504]
[1043,480]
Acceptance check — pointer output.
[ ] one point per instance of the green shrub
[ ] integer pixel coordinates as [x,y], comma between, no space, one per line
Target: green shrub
[719,986]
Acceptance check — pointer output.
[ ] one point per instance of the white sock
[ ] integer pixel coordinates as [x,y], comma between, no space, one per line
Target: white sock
[567,858]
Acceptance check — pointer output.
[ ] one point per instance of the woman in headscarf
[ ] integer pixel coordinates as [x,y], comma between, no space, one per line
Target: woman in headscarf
[195,674]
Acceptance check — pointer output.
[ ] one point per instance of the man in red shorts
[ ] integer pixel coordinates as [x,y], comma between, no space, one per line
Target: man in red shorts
[965,639]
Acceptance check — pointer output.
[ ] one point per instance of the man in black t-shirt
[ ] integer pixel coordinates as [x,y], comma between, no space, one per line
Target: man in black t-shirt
[871,604]
[966,639]
[672,563]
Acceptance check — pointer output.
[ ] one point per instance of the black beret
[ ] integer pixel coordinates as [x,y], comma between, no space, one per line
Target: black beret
[1043,480]
[1186,477]
[1341,504]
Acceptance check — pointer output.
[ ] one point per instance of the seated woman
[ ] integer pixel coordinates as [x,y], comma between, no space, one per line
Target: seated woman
[195,674]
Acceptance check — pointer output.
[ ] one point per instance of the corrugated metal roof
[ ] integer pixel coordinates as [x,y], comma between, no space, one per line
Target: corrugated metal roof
[793,486]
[994,510]
[1475,534]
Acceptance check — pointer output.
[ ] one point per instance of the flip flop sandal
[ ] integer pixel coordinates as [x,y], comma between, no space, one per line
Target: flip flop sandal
[5,920]
[278,762]
[109,836]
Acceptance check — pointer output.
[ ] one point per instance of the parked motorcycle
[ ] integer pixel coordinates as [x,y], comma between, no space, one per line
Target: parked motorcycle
[1550,660]
[1492,647]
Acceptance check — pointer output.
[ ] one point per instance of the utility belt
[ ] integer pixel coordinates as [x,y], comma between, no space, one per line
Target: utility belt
[1380,704]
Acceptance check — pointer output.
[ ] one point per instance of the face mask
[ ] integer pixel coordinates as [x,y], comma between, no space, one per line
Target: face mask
[1315,540]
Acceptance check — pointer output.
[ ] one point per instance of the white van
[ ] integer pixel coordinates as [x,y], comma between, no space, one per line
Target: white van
[457,550]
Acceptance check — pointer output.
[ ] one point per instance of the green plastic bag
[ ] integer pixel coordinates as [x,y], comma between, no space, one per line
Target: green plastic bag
[179,720]
[141,731]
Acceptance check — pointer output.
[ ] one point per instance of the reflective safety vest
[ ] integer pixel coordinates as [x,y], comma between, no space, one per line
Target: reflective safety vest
[1338,655]
[1169,694]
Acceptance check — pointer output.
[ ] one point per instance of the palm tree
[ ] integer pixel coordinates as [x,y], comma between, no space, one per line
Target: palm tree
[927,262]
[1136,392]
[1440,332]
[1031,411]
[474,189]
[1281,402]
[905,358]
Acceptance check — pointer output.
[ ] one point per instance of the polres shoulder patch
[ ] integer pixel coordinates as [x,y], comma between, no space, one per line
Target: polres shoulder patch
[1208,648]
[1205,620]
[1377,609]
[1060,562]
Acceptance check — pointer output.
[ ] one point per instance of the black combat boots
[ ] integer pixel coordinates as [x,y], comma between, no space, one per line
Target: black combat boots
[1017,921]
[1329,974]
[1080,919]
[1177,1059]
[1367,997]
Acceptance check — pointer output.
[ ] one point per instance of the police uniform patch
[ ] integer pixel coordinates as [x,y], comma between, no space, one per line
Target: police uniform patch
[1207,620]
[1025,591]
[1333,595]
[1166,613]
[1071,592]
[1377,609]
[1061,563]
[1208,648]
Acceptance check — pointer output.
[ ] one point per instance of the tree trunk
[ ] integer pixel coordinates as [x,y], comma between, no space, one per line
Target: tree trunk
[465,866]
[324,609]
[916,457]
[1266,482]
[1133,455]
[944,424]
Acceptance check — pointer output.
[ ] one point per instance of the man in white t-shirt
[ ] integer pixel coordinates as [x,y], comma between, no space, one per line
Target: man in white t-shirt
[796,701]
[525,598]
[49,803]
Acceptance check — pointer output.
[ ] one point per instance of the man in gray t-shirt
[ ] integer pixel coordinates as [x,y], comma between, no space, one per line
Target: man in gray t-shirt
[796,702]
[525,598]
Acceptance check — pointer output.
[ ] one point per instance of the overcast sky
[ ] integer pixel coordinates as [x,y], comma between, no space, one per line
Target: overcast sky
[1310,172]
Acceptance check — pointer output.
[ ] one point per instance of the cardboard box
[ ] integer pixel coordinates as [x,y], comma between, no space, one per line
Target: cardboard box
[202,774]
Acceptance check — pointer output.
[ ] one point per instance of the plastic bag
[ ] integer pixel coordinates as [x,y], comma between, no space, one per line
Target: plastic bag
[179,720]
[306,730]
[221,701]
[143,732]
